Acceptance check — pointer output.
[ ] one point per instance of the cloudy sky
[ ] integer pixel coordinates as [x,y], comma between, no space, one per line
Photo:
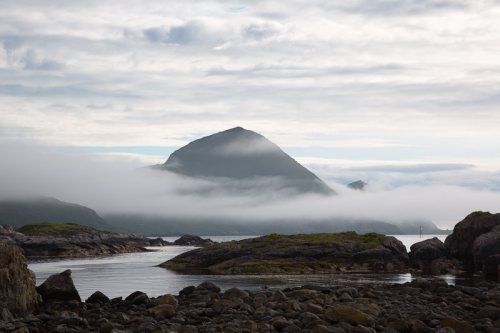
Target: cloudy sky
[392,91]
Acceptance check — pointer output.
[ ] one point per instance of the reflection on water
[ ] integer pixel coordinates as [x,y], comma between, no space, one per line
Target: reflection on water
[122,274]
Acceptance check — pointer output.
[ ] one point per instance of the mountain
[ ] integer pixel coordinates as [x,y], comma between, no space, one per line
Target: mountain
[242,155]
[21,212]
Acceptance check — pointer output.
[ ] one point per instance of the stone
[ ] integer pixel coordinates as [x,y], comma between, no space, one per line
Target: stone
[59,287]
[457,325]
[17,282]
[235,293]
[162,311]
[137,297]
[209,286]
[192,240]
[347,313]
[168,299]
[97,297]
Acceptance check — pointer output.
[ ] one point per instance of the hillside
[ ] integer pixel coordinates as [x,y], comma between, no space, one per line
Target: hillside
[21,212]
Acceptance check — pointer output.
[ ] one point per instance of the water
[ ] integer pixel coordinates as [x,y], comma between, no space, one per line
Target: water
[122,274]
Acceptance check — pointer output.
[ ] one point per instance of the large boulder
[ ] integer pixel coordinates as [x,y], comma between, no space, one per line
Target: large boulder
[59,287]
[17,282]
[486,252]
[430,257]
[428,250]
[462,245]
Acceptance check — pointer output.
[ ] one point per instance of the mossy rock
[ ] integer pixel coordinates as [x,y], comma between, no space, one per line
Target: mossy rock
[49,228]
[349,314]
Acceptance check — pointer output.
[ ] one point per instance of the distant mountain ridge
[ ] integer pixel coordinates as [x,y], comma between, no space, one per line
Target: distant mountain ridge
[28,211]
[240,154]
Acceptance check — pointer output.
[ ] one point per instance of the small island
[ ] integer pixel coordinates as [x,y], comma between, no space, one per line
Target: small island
[297,254]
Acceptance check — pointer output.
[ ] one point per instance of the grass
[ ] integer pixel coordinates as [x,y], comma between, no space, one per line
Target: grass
[49,228]
[370,240]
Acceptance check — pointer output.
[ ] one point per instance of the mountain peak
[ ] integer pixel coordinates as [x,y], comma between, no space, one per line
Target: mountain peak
[241,154]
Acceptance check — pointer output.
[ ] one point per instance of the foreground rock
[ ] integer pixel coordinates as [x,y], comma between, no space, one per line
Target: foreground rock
[474,247]
[297,254]
[68,239]
[59,287]
[17,283]
[419,306]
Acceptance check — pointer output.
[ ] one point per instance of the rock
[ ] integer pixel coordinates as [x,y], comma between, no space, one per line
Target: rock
[486,253]
[168,299]
[158,242]
[59,287]
[457,325]
[137,297]
[97,297]
[460,243]
[235,293]
[297,254]
[347,313]
[69,239]
[192,240]
[423,254]
[163,311]
[209,286]
[17,282]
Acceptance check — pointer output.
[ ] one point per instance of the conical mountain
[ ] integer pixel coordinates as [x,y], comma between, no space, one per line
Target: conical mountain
[241,154]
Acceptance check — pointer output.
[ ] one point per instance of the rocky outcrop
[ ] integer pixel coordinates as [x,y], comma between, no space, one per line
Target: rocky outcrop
[68,239]
[460,243]
[59,287]
[430,257]
[418,306]
[192,240]
[475,242]
[17,283]
[297,254]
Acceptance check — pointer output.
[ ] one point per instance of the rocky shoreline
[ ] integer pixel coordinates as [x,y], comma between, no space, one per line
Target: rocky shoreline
[419,306]
[72,240]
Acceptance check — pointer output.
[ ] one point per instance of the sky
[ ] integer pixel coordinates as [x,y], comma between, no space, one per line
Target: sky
[394,92]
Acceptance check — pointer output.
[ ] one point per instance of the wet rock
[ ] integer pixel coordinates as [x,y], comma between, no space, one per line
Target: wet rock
[17,282]
[97,297]
[59,287]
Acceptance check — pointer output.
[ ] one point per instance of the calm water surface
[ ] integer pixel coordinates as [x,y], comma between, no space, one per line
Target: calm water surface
[122,274]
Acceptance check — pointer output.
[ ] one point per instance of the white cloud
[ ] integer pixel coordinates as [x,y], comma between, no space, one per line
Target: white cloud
[387,80]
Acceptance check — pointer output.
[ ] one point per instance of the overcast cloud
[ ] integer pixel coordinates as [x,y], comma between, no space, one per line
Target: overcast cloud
[395,92]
